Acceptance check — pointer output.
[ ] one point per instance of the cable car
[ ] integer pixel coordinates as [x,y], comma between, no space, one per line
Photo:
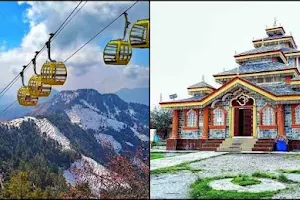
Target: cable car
[118,52]
[53,72]
[35,84]
[24,96]
[139,34]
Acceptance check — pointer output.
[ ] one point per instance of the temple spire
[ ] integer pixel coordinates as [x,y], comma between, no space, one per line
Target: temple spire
[202,78]
[275,21]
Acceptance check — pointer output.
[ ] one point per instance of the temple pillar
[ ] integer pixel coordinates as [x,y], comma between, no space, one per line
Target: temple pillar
[172,141]
[280,120]
[175,124]
[205,123]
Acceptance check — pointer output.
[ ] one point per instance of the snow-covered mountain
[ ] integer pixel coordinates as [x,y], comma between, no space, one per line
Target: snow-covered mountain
[89,123]
[106,116]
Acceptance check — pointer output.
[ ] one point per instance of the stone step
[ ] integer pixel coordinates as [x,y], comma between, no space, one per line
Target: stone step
[207,148]
[264,145]
[210,145]
[214,141]
[265,141]
[262,149]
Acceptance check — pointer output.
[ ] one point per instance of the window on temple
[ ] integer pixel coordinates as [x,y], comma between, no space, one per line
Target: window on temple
[200,118]
[218,117]
[297,115]
[268,117]
[191,118]
[269,79]
[260,80]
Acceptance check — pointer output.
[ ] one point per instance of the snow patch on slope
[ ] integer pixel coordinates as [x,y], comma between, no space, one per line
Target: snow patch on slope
[139,135]
[89,105]
[83,165]
[128,143]
[66,97]
[16,122]
[53,133]
[87,118]
[104,138]
[45,126]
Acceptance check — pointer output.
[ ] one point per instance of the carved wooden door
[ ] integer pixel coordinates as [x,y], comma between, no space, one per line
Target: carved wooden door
[236,122]
[247,124]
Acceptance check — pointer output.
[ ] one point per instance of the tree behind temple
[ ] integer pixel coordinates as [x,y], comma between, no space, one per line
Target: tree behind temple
[160,119]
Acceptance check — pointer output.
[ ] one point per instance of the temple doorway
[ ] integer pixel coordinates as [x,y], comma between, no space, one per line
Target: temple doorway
[242,116]
[243,121]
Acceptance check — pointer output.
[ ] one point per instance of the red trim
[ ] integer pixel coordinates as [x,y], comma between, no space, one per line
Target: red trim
[267,127]
[288,79]
[216,127]
[190,128]
[185,127]
[212,126]
[294,125]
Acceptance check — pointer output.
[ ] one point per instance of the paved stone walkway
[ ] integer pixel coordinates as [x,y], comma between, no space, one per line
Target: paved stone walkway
[176,160]
[176,186]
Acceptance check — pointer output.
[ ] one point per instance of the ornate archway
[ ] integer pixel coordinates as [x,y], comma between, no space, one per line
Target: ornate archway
[242,116]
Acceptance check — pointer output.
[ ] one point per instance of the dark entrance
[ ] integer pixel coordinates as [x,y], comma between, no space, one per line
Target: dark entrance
[243,121]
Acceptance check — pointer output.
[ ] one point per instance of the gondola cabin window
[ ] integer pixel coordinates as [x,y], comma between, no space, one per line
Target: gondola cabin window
[268,117]
[191,118]
[218,117]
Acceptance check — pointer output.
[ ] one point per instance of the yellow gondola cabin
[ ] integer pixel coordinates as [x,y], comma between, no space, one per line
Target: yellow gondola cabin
[139,34]
[24,96]
[53,72]
[117,52]
[35,84]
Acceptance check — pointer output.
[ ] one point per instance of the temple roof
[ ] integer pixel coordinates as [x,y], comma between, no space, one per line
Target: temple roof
[296,78]
[273,37]
[196,97]
[279,89]
[266,49]
[278,92]
[257,66]
[201,84]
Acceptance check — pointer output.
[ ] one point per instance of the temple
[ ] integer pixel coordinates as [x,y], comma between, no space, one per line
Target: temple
[257,101]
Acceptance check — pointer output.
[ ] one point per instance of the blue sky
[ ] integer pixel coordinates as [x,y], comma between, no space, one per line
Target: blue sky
[29,23]
[12,17]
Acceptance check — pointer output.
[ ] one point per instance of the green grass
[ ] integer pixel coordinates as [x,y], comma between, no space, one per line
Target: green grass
[175,169]
[244,180]
[282,178]
[156,156]
[201,190]
[292,171]
[264,175]
[292,156]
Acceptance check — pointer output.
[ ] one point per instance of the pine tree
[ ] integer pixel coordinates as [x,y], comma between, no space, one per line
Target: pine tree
[19,187]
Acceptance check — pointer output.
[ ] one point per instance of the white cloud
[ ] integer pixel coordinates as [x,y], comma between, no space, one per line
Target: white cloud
[86,69]
[191,39]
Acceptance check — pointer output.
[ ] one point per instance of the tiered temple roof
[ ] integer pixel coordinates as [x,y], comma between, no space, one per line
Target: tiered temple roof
[269,69]
[257,66]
